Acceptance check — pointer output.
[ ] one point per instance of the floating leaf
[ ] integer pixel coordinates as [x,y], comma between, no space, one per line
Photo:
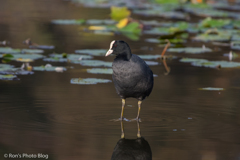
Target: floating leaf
[190,50]
[97,28]
[118,13]
[15,71]
[149,56]
[36,51]
[103,32]
[8,77]
[94,52]
[133,27]
[87,81]
[236,24]
[152,40]
[5,66]
[9,50]
[235,45]
[167,1]
[93,63]
[122,23]
[211,89]
[155,40]
[100,70]
[49,68]
[68,21]
[204,10]
[235,37]
[152,63]
[24,60]
[213,23]
[100,21]
[7,56]
[42,46]
[225,5]
[210,64]
[69,57]
[132,36]
[161,13]
[151,23]
[26,57]
[214,35]
[164,31]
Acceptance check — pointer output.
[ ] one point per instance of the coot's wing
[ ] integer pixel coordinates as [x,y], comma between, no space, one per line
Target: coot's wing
[133,74]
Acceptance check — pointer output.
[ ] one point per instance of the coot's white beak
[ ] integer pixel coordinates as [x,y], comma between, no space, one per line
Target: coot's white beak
[110,51]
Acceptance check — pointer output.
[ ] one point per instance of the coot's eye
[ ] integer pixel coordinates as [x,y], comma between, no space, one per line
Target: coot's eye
[115,45]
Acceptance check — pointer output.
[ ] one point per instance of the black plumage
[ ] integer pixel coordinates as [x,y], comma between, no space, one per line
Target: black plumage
[132,77]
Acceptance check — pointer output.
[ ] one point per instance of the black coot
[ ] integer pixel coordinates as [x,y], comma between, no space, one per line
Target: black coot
[131,75]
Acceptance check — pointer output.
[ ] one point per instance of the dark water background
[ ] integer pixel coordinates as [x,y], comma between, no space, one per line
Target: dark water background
[44,113]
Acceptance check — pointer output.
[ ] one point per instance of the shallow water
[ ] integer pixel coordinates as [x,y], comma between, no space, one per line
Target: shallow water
[44,113]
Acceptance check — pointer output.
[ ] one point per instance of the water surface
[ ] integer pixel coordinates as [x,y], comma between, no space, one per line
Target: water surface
[44,113]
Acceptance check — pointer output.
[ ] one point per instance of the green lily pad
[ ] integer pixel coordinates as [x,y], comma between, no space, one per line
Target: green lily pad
[7,56]
[151,23]
[17,57]
[207,11]
[42,47]
[214,35]
[7,69]
[118,13]
[167,1]
[225,5]
[66,57]
[93,52]
[132,36]
[9,50]
[211,89]
[161,12]
[152,63]
[8,77]
[5,66]
[235,37]
[35,51]
[68,21]
[235,45]
[214,23]
[164,31]
[100,21]
[210,64]
[133,27]
[152,40]
[93,63]
[49,68]
[236,24]
[190,50]
[174,41]
[150,56]
[189,60]
[14,71]
[100,70]
[87,81]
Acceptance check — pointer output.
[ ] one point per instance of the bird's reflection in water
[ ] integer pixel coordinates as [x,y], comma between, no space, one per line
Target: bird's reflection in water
[132,149]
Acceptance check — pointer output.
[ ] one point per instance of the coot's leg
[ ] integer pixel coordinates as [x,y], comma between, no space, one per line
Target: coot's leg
[138,133]
[139,108]
[123,104]
[122,130]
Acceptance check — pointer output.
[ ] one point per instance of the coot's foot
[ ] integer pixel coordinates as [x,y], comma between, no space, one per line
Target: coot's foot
[120,119]
[136,119]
